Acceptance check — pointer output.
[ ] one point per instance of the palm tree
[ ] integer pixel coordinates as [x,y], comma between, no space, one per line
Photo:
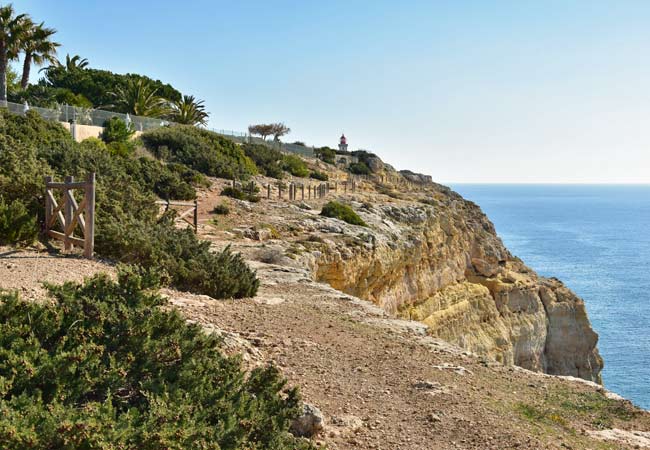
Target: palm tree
[12,29]
[38,48]
[75,62]
[189,111]
[72,63]
[139,98]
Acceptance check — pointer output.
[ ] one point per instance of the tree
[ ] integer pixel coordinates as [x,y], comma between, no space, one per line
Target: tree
[279,130]
[189,111]
[12,30]
[139,98]
[38,47]
[262,130]
[75,62]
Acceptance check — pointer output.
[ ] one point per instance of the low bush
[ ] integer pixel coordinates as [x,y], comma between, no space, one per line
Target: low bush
[316,175]
[202,150]
[117,130]
[344,212]
[359,168]
[17,223]
[295,166]
[221,209]
[326,154]
[181,256]
[110,366]
[268,160]
[241,194]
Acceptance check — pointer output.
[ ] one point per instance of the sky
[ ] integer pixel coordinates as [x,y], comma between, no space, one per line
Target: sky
[521,91]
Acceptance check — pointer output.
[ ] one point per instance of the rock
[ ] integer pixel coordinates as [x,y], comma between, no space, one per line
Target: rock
[375,164]
[305,206]
[350,422]
[310,423]
[416,177]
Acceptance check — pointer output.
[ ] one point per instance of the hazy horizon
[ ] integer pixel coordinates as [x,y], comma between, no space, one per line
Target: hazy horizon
[468,92]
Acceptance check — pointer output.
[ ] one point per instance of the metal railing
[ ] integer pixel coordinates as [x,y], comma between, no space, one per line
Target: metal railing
[97,117]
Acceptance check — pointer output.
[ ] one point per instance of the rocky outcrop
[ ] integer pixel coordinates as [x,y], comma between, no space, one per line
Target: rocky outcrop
[443,264]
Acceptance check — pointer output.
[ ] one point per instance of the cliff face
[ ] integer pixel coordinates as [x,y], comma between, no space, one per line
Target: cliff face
[442,263]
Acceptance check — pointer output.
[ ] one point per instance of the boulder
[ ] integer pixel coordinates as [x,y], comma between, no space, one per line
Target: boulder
[310,422]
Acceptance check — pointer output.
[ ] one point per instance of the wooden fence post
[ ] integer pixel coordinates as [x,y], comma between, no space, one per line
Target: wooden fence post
[89,213]
[48,203]
[196,216]
[67,212]
[268,190]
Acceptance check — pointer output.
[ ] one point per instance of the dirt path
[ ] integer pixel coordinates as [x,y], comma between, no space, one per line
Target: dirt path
[380,383]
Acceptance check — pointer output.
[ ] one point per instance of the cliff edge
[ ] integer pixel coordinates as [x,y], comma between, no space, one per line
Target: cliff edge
[429,255]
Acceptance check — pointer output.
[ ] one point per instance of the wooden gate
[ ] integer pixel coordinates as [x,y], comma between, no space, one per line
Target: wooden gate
[71,215]
[183,215]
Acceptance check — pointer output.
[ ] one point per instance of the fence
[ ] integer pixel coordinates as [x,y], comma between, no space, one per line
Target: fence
[71,215]
[97,117]
[85,116]
[241,138]
[183,215]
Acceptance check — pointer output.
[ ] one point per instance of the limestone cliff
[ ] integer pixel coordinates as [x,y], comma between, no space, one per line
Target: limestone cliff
[440,261]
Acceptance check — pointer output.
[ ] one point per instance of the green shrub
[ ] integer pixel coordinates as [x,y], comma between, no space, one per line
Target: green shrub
[295,166]
[241,194]
[268,160]
[186,260]
[117,130]
[316,175]
[110,366]
[49,97]
[17,224]
[221,209]
[202,150]
[326,154]
[359,168]
[127,227]
[344,212]
[97,85]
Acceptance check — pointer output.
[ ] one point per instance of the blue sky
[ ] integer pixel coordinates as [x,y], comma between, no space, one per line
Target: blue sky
[467,91]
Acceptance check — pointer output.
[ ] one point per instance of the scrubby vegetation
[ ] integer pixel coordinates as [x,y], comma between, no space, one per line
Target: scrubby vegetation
[116,130]
[316,175]
[242,194]
[221,209]
[107,367]
[359,168]
[127,225]
[268,160]
[295,166]
[326,154]
[344,212]
[17,224]
[202,150]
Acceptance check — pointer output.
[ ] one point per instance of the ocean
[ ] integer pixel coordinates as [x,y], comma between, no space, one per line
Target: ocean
[596,239]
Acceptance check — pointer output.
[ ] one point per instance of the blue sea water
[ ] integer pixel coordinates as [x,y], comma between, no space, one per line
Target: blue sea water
[596,239]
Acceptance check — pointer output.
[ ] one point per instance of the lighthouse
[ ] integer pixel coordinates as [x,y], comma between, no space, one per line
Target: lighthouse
[343,144]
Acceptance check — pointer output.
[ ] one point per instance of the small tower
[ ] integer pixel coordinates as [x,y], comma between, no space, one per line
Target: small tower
[343,144]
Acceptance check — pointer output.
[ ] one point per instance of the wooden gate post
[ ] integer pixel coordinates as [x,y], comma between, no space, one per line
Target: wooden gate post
[48,204]
[67,214]
[89,213]
[196,216]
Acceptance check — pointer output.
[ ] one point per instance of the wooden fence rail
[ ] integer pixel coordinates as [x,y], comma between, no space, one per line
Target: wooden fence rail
[194,210]
[71,215]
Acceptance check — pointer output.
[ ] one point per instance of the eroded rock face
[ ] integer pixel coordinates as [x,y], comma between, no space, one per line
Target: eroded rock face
[445,266]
